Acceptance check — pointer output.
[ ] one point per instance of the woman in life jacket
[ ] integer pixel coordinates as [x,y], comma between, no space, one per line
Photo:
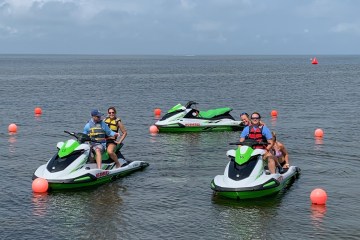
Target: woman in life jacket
[116,125]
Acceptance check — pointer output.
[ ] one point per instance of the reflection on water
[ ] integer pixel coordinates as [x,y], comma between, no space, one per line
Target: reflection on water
[317,215]
[241,215]
[273,121]
[12,142]
[40,204]
[319,143]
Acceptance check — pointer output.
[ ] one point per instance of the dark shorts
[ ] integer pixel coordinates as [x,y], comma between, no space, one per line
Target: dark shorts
[110,141]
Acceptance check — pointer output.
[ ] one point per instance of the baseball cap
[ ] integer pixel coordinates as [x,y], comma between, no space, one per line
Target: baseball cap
[96,112]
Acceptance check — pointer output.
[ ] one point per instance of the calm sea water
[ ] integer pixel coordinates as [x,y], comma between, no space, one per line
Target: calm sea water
[172,198]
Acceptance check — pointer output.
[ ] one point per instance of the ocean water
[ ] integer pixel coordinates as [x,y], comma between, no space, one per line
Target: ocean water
[172,199]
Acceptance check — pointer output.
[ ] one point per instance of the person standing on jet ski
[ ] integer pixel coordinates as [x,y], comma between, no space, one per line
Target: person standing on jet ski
[98,131]
[260,133]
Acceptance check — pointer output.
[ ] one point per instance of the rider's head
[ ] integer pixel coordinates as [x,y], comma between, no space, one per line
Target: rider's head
[255,118]
[112,112]
[96,115]
[244,117]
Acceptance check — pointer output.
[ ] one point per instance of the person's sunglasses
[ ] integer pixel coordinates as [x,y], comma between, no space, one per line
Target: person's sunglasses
[111,112]
[255,118]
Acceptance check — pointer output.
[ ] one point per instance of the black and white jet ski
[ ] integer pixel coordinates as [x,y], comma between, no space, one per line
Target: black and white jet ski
[73,165]
[188,119]
[245,175]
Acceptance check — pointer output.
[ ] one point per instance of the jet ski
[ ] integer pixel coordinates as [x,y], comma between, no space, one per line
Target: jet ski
[246,177]
[73,166]
[188,119]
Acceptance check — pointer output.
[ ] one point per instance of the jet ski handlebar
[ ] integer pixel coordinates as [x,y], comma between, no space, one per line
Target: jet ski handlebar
[250,142]
[188,105]
[81,137]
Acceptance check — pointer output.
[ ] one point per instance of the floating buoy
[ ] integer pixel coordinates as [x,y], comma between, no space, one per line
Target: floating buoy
[37,111]
[153,129]
[274,113]
[314,61]
[12,128]
[40,185]
[157,111]
[319,133]
[318,196]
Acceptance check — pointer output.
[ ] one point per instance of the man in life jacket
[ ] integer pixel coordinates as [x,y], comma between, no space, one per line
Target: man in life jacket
[260,133]
[98,131]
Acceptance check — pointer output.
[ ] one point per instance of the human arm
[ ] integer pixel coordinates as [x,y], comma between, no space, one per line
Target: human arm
[269,138]
[86,129]
[123,131]
[244,133]
[285,154]
[108,131]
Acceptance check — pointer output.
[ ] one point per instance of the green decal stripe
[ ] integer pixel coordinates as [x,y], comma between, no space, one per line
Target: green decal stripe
[269,184]
[82,179]
[64,151]
[175,108]
[243,158]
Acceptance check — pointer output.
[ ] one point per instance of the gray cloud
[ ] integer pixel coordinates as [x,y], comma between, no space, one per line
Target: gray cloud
[179,27]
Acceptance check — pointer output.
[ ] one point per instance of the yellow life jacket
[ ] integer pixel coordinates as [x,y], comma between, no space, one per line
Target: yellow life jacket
[113,124]
[97,133]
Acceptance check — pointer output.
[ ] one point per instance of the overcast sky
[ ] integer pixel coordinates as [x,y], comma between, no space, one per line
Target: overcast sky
[180,27]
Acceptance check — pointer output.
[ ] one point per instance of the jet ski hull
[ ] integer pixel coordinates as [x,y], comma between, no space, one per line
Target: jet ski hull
[264,186]
[88,176]
[187,119]
[175,129]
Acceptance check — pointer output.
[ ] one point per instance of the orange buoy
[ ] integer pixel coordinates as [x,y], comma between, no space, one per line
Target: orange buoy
[153,129]
[318,196]
[157,111]
[274,113]
[12,128]
[40,185]
[319,133]
[38,111]
[314,61]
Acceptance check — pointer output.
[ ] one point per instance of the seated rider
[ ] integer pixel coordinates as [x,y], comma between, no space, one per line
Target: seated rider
[280,153]
[98,130]
[245,119]
[116,125]
[260,133]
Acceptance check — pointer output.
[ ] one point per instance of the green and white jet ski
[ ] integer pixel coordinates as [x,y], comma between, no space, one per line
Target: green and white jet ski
[187,119]
[73,166]
[245,176]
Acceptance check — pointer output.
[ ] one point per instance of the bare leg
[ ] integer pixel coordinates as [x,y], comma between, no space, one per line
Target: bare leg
[98,157]
[110,149]
[271,162]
